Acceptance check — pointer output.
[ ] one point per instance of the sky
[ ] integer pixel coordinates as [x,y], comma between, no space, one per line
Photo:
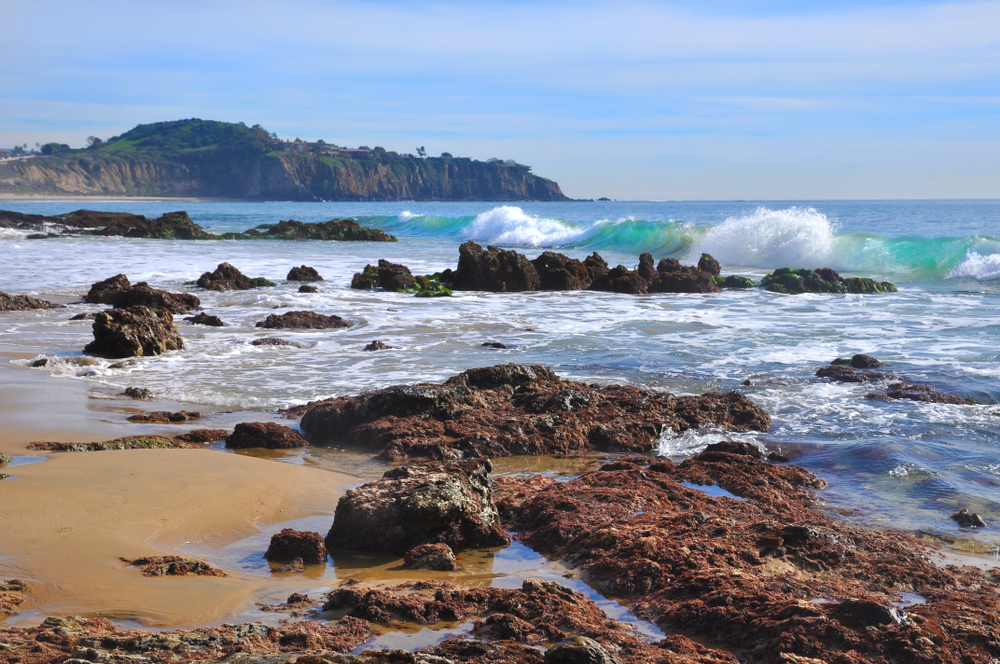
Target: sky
[630,100]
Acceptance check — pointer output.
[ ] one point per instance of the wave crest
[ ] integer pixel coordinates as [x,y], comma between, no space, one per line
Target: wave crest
[796,237]
[977,266]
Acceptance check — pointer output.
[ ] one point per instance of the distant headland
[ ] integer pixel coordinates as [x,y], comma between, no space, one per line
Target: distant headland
[209,159]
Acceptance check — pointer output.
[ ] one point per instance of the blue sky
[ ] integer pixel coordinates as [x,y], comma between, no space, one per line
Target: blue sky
[644,100]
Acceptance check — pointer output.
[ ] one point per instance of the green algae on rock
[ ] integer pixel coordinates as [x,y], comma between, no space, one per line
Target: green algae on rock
[823,280]
[126,443]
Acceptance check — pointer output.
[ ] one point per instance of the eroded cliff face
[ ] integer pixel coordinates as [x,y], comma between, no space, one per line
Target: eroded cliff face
[274,177]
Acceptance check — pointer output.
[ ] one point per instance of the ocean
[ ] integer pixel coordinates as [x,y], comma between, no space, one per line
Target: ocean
[903,465]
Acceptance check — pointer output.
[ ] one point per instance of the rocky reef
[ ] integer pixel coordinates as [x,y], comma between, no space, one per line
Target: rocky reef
[302,320]
[24,303]
[822,280]
[516,409]
[120,293]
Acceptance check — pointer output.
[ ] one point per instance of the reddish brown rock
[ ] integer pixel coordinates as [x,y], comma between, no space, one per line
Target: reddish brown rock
[264,434]
[165,417]
[303,273]
[515,409]
[708,264]
[436,557]
[558,272]
[203,436]
[493,269]
[436,502]
[125,443]
[683,282]
[135,331]
[645,269]
[24,303]
[139,393]
[291,544]
[121,294]
[967,519]
[173,566]
[11,598]
[620,280]
[596,265]
[204,319]
[303,320]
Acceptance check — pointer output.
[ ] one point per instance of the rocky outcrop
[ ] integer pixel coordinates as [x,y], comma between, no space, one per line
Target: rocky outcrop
[134,331]
[226,277]
[264,434]
[823,280]
[302,320]
[203,436]
[204,319]
[342,230]
[303,273]
[620,280]
[516,409]
[860,369]
[173,566]
[434,503]
[118,292]
[126,443]
[11,596]
[434,557]
[707,263]
[558,272]
[292,544]
[170,226]
[24,303]
[494,270]
[967,519]
[916,392]
[578,650]
[389,276]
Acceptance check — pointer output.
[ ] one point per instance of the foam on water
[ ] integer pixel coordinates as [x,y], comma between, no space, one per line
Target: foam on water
[508,224]
[794,237]
[978,267]
[694,441]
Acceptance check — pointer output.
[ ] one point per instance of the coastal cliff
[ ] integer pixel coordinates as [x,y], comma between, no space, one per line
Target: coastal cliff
[223,160]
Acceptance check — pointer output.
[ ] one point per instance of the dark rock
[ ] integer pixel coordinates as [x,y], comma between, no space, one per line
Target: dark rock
[291,544]
[226,277]
[39,363]
[303,273]
[273,341]
[968,519]
[494,344]
[170,226]
[436,502]
[24,303]
[578,650]
[595,265]
[134,331]
[306,288]
[516,409]
[558,272]
[844,374]
[264,434]
[376,345]
[669,266]
[917,392]
[118,292]
[712,452]
[305,320]
[708,264]
[125,443]
[435,557]
[790,281]
[84,317]
[646,270]
[204,319]
[366,280]
[683,282]
[138,393]
[203,436]
[736,281]
[494,270]
[394,277]
[866,613]
[173,566]
[164,417]
[342,230]
[861,361]
[620,280]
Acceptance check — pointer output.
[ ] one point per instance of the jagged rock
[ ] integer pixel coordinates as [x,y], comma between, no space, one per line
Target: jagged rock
[343,230]
[273,341]
[164,417]
[394,277]
[669,266]
[435,557]
[645,268]
[134,331]
[304,320]
[968,519]
[204,319]
[376,345]
[173,566]
[824,280]
[226,277]
[493,269]
[303,273]
[683,282]
[517,409]
[290,544]
[264,434]
[120,293]
[595,265]
[24,303]
[437,502]
[126,443]
[203,436]
[708,264]
[558,272]
[916,392]
[170,226]
[138,393]
[620,280]
[578,650]
[367,279]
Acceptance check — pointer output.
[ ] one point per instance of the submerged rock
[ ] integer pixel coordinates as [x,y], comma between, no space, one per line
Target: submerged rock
[290,544]
[494,270]
[134,331]
[847,374]
[823,280]
[437,502]
[164,417]
[306,288]
[517,409]
[434,557]
[118,292]
[264,434]
[303,320]
[173,566]
[376,345]
[25,303]
[273,341]
[204,319]
[303,273]
[916,392]
[226,277]
[968,519]
[343,230]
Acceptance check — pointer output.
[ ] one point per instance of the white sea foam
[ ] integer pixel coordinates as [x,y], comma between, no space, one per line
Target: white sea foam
[796,237]
[693,441]
[406,215]
[509,224]
[978,267]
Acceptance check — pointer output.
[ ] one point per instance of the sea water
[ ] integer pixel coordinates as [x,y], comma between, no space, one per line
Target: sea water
[899,464]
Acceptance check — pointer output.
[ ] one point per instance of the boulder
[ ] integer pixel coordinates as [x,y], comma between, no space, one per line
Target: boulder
[595,265]
[434,557]
[434,503]
[303,320]
[264,434]
[708,264]
[291,544]
[494,270]
[968,519]
[134,331]
[862,361]
[915,392]
[376,345]
[366,279]
[226,277]
[303,273]
[204,319]
[669,266]
[343,230]
[394,277]
[646,270]
[558,272]
[846,374]
[824,280]
[306,288]
[683,282]
[620,280]
[24,303]
[120,293]
[578,650]
[138,393]
[735,281]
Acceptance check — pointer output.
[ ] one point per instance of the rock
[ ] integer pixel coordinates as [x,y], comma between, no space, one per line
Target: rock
[264,434]
[620,280]
[437,502]
[37,364]
[376,345]
[291,544]
[25,303]
[494,270]
[11,598]
[790,281]
[683,282]
[125,443]
[394,277]
[203,436]
[273,341]
[306,288]
[714,450]
[5,459]
[303,320]
[866,613]
[735,281]
[646,270]
[164,417]
[494,344]
[968,519]
[84,317]
[205,319]
[435,557]
[517,409]
[431,286]
[137,393]
[170,226]
[303,273]
[670,266]
[173,566]
[558,272]
[226,277]
[844,374]
[861,361]
[134,331]
[595,265]
[708,264]
[343,230]
[367,279]
[578,650]
[118,292]
[917,392]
